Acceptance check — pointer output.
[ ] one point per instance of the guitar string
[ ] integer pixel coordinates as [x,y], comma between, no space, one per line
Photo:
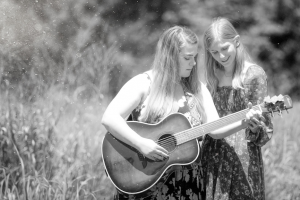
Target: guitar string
[194,130]
[182,135]
[194,133]
[213,124]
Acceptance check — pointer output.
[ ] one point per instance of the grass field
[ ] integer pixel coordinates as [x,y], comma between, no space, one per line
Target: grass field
[281,157]
[51,149]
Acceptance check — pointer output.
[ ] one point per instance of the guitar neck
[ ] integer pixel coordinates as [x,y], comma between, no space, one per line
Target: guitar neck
[201,130]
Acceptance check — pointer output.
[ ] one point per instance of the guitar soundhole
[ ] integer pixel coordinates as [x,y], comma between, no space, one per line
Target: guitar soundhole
[168,142]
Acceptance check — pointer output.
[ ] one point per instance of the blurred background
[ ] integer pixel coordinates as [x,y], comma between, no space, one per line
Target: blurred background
[62,61]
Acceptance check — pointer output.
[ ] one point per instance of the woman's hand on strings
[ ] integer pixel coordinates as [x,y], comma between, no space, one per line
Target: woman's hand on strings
[152,150]
[254,118]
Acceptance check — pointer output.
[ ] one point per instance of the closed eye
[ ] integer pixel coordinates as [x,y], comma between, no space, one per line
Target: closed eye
[190,56]
[223,49]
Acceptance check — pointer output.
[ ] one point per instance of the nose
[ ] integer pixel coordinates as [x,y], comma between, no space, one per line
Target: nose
[222,55]
[193,62]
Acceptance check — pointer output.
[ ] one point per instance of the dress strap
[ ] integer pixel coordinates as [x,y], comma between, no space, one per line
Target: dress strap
[149,78]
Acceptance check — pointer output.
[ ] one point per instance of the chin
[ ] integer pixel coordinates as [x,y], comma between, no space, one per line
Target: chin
[185,75]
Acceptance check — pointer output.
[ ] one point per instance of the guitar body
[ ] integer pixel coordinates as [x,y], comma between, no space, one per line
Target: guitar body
[130,171]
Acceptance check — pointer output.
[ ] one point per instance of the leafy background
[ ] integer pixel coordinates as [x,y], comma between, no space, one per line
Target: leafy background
[62,61]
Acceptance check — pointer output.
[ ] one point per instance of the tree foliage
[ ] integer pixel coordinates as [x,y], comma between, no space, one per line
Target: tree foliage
[50,37]
[270,30]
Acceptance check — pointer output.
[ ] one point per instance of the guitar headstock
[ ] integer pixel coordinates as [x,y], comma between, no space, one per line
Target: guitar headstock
[277,103]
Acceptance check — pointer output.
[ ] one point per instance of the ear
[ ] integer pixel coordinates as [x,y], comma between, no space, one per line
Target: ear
[236,40]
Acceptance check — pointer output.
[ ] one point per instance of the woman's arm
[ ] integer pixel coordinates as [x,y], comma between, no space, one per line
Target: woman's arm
[255,84]
[128,98]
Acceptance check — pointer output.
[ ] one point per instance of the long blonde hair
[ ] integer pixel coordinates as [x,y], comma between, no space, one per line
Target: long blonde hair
[221,28]
[165,70]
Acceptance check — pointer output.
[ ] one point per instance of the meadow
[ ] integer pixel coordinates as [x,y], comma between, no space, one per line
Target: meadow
[51,149]
[281,157]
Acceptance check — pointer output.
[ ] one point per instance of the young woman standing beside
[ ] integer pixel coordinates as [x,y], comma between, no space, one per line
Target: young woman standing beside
[233,166]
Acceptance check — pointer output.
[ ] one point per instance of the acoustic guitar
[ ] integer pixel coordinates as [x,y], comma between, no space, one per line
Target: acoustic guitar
[132,173]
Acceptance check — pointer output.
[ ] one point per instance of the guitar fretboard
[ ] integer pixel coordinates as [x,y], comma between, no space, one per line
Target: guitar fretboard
[198,131]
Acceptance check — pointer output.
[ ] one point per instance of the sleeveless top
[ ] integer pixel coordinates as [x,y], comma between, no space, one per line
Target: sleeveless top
[184,182]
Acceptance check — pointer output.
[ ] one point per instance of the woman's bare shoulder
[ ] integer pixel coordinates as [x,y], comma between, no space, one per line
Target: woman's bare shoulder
[139,83]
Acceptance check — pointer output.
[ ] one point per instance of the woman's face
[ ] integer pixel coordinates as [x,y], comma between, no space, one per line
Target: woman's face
[187,59]
[224,51]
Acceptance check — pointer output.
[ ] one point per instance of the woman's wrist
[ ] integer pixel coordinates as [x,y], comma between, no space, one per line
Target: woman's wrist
[136,142]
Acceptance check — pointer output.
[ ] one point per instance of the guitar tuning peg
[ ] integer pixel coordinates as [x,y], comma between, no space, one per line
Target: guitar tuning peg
[272,113]
[279,111]
[286,109]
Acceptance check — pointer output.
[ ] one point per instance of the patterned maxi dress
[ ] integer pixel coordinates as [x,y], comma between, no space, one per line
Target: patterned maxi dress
[182,184]
[233,166]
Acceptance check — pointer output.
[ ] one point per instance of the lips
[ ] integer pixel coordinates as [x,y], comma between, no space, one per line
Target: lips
[225,60]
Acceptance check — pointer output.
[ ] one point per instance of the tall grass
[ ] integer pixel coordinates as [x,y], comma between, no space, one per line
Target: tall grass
[50,130]
[282,159]
[52,150]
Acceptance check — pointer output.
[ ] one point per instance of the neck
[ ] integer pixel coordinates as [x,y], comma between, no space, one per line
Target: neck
[228,74]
